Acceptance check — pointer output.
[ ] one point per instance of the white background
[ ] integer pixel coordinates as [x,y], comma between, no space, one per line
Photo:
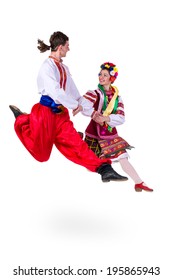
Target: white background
[57,213]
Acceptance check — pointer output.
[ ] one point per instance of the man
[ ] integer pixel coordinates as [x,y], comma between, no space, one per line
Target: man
[49,122]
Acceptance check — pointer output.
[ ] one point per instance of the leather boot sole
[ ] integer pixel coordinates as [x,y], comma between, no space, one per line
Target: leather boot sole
[117,180]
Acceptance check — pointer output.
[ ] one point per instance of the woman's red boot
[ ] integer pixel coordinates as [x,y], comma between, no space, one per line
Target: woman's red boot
[141,186]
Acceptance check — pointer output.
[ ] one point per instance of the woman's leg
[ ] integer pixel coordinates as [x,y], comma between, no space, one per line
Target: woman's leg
[129,169]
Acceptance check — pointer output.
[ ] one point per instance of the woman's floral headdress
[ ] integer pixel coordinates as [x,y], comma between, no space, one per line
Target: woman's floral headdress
[113,70]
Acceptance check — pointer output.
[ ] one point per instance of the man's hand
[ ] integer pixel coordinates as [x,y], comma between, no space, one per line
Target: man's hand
[77,110]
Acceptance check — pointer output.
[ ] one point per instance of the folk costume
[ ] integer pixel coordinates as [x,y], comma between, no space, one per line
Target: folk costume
[49,122]
[104,140]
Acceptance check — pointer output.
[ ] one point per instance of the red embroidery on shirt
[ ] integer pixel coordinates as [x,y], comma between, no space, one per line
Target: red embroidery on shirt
[90,96]
[62,72]
[120,112]
[120,105]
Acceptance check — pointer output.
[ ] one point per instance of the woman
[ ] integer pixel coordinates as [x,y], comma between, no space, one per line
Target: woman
[101,133]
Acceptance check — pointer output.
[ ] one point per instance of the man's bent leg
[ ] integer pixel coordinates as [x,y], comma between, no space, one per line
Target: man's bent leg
[35,131]
[70,144]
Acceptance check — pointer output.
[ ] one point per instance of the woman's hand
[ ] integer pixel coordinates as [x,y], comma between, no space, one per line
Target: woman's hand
[99,118]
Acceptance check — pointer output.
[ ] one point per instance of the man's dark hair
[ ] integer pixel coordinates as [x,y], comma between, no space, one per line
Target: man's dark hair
[56,39]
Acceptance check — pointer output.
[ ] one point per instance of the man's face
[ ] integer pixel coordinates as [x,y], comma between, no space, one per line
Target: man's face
[64,49]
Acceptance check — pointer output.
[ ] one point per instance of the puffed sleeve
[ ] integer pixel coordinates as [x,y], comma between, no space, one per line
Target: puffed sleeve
[87,101]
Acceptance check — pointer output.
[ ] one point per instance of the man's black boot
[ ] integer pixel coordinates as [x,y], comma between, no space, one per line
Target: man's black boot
[16,111]
[81,134]
[109,174]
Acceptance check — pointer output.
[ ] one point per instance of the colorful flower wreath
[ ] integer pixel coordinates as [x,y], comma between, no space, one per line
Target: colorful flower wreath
[113,70]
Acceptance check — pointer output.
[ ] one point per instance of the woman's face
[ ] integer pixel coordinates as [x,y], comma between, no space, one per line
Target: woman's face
[104,78]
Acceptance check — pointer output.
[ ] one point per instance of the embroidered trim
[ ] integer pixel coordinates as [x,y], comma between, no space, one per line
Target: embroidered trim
[63,74]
